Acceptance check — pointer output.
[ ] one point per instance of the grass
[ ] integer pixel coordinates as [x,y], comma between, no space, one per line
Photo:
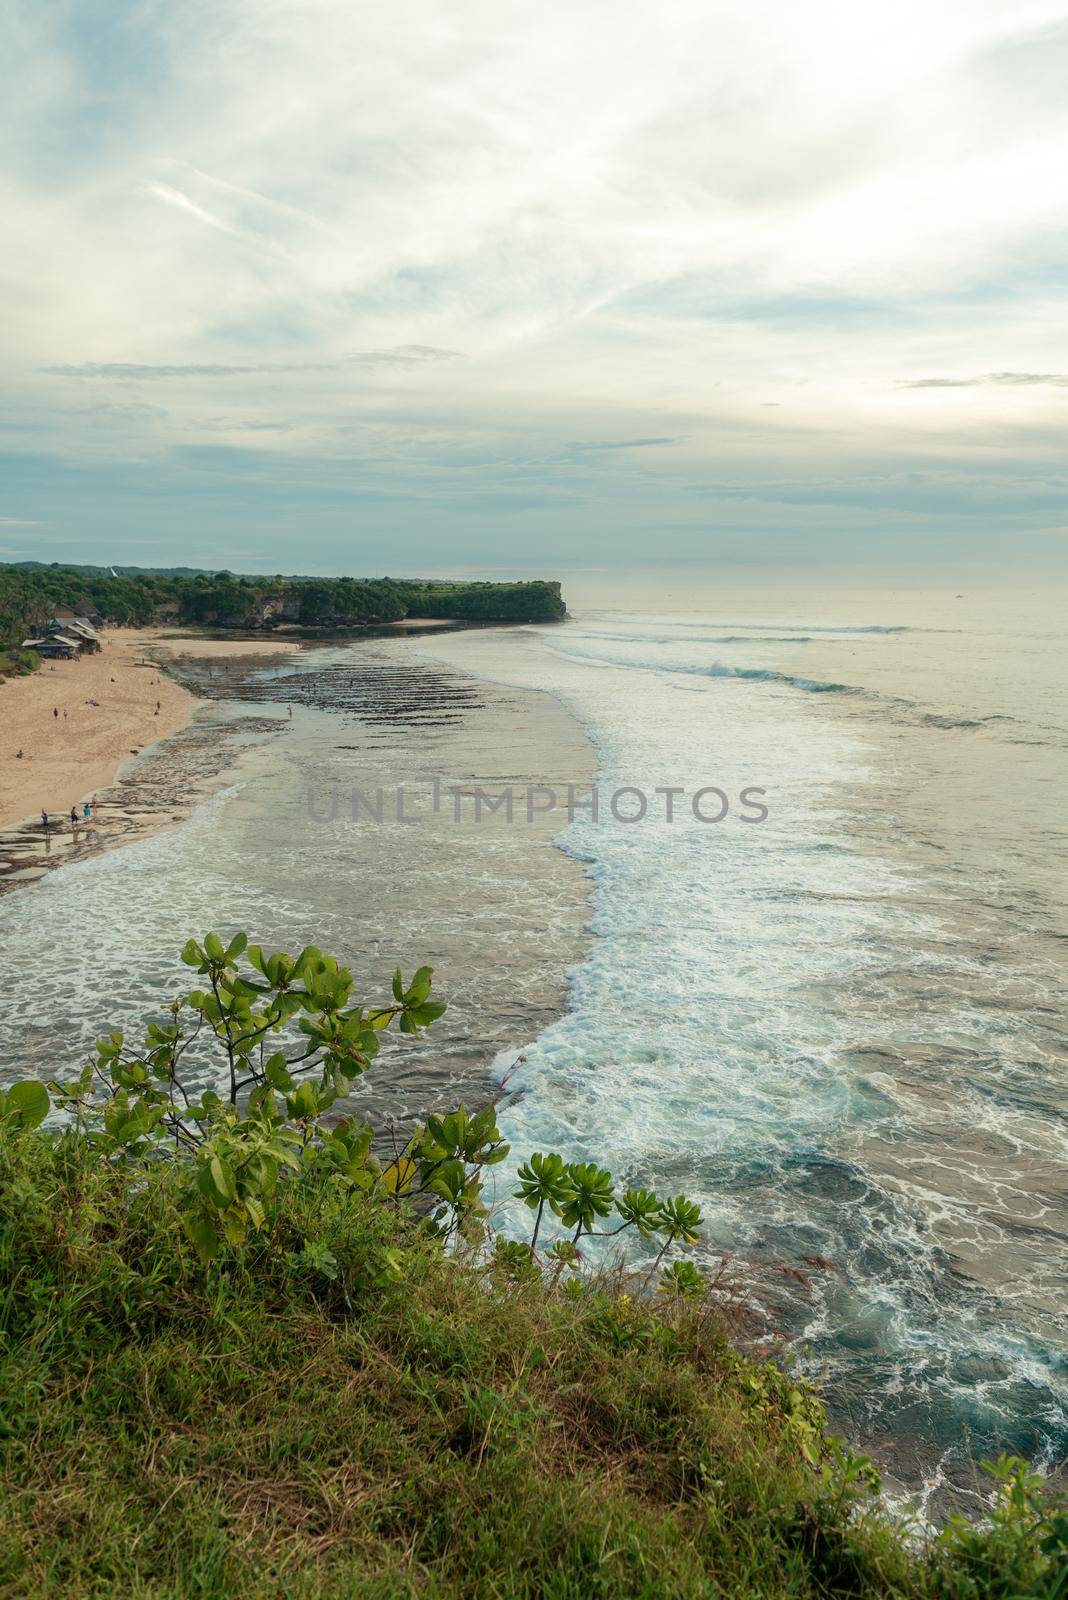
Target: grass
[339,1410]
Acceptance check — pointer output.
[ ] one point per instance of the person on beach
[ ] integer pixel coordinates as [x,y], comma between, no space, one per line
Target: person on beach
[55,711]
[44,819]
[85,811]
[73,818]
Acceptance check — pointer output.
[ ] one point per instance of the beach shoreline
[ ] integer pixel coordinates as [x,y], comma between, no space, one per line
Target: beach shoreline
[131,739]
[489,903]
[77,722]
[110,706]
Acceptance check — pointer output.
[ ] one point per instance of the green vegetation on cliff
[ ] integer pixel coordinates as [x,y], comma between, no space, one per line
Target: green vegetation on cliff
[30,594]
[242,1355]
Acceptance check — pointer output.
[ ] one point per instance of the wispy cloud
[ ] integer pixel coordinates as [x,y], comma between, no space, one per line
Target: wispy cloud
[402,356]
[581,445]
[997,380]
[182,202]
[284,234]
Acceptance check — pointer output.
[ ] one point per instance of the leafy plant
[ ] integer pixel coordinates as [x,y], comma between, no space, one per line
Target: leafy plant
[582,1194]
[225,1124]
[544,1181]
[681,1280]
[1021,1553]
[237,1085]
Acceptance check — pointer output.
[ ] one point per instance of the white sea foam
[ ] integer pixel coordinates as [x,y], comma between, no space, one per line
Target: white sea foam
[721,1030]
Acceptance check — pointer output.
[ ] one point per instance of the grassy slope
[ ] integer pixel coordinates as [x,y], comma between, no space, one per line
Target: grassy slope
[261,1428]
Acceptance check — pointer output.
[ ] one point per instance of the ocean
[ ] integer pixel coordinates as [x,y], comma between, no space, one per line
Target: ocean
[840,1028]
[838,1025]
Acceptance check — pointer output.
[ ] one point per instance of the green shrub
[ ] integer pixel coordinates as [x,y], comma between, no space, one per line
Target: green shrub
[240,1354]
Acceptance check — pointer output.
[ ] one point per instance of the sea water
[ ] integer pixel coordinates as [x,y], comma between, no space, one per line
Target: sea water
[840,1029]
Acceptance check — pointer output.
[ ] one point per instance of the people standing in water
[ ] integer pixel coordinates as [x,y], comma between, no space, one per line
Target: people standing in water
[86,811]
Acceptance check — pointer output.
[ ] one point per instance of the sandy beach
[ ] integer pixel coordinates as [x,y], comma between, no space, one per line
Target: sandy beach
[108,705]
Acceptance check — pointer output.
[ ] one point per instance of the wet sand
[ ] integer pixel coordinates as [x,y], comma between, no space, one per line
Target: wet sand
[169,645]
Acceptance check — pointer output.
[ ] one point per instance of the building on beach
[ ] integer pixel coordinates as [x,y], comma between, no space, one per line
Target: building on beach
[82,612]
[55,646]
[65,638]
[84,632]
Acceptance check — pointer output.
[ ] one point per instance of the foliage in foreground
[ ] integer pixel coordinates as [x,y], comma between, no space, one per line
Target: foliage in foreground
[285,1040]
[352,1389]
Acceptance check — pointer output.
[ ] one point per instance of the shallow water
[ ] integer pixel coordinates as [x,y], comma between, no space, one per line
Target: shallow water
[280,852]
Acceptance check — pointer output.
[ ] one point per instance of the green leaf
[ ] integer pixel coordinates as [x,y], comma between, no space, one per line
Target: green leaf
[436,1129]
[305,1103]
[236,946]
[419,988]
[399,1176]
[235,1226]
[213,948]
[310,957]
[277,1073]
[215,1180]
[424,1015]
[200,1230]
[27,1103]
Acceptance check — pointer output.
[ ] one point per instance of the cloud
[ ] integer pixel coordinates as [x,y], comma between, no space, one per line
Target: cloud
[1003,380]
[580,445]
[404,356]
[182,202]
[290,219]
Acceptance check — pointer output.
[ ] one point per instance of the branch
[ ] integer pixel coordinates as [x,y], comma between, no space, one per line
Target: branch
[229,1041]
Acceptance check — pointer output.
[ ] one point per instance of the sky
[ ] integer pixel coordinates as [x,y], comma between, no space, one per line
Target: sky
[311,286]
